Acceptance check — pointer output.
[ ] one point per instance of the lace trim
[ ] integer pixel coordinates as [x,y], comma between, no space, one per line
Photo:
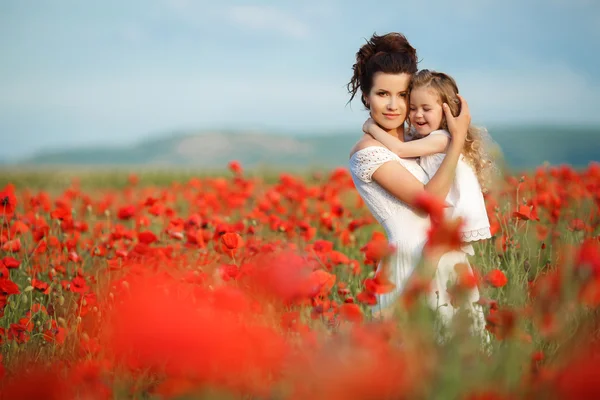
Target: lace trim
[380,202]
[365,162]
[476,234]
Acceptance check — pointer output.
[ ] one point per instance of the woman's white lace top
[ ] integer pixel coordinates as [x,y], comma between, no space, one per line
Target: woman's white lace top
[364,163]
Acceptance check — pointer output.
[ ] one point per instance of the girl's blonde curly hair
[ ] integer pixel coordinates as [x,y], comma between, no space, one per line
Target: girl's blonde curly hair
[474,150]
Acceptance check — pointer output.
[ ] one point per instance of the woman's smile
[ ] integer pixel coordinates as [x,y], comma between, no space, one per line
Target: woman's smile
[388,101]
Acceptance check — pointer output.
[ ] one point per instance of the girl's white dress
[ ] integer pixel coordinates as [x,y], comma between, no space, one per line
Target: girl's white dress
[464,199]
[407,231]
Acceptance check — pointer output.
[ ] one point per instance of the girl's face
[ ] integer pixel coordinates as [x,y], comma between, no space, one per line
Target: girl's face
[425,110]
[388,100]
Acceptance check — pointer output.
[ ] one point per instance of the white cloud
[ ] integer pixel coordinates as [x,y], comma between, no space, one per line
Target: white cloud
[268,19]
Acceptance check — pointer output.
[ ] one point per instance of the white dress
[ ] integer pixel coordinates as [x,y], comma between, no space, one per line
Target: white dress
[465,198]
[407,231]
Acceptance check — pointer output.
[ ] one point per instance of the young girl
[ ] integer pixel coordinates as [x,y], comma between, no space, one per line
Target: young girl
[428,139]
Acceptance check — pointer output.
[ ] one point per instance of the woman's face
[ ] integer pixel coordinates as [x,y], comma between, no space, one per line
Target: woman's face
[388,99]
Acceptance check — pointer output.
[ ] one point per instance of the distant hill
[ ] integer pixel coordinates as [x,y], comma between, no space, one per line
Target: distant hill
[523,148]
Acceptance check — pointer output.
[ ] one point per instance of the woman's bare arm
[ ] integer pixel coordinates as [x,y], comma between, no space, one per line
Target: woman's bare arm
[402,184]
[431,144]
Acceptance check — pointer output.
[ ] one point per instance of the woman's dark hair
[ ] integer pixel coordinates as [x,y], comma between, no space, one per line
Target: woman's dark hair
[390,53]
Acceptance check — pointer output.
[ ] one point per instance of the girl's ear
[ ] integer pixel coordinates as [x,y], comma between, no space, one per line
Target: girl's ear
[366,100]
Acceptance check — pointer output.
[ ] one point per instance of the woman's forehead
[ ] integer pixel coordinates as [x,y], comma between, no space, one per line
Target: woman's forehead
[383,80]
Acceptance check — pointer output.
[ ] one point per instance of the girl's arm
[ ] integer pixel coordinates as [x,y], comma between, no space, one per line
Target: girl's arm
[404,186]
[430,144]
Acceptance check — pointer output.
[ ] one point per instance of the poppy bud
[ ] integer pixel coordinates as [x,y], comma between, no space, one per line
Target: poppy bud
[231,241]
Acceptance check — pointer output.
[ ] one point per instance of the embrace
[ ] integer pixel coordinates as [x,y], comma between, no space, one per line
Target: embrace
[418,139]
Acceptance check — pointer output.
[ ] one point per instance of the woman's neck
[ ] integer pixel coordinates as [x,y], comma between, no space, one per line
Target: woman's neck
[398,132]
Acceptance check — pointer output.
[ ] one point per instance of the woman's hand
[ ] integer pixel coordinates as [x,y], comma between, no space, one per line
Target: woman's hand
[458,125]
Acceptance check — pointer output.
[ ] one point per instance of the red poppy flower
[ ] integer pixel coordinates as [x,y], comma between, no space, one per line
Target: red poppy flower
[18,228]
[367,298]
[445,236]
[376,249]
[526,213]
[13,246]
[337,258]
[147,237]
[10,262]
[8,201]
[496,278]
[78,285]
[320,282]
[126,212]
[351,312]
[231,241]
[235,167]
[502,323]
[40,285]
[8,287]
[589,256]
[430,204]
[322,246]
[465,278]
[228,272]
[380,283]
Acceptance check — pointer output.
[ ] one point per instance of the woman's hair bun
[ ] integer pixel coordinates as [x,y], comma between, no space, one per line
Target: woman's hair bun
[389,53]
[393,42]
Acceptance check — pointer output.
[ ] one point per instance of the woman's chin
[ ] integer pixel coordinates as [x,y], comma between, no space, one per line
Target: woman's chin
[389,126]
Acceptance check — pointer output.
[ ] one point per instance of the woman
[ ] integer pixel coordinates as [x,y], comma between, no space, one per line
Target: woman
[390,185]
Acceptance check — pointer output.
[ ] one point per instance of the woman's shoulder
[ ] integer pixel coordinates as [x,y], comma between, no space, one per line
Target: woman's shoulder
[367,143]
[366,156]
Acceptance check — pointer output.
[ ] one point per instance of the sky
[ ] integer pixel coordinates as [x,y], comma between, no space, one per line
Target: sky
[78,73]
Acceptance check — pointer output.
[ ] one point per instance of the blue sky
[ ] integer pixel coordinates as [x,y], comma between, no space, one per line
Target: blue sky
[76,73]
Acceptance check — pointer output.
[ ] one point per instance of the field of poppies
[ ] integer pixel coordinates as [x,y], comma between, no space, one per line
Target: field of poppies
[242,286]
